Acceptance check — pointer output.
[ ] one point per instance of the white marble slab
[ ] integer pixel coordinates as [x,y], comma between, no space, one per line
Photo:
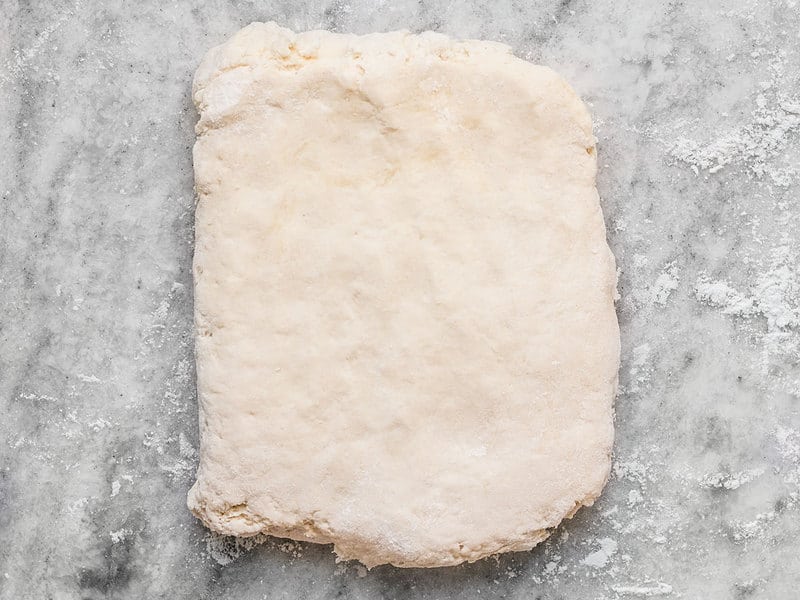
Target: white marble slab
[697,108]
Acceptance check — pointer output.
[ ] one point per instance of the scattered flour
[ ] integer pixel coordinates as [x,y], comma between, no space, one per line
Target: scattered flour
[665,284]
[730,481]
[19,64]
[631,470]
[114,488]
[118,536]
[98,424]
[641,369]
[789,444]
[742,531]
[88,378]
[755,145]
[722,295]
[552,567]
[159,330]
[600,558]
[178,469]
[655,589]
[38,397]
[184,463]
[225,549]
[181,376]
[635,497]
[774,298]
[185,448]
[290,547]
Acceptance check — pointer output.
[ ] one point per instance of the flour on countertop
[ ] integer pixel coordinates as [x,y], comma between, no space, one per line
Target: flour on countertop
[632,470]
[789,444]
[88,378]
[641,369]
[730,481]
[118,536]
[742,531]
[185,449]
[720,294]
[656,589]
[635,497]
[600,558]
[225,549]
[755,145]
[665,284]
[774,297]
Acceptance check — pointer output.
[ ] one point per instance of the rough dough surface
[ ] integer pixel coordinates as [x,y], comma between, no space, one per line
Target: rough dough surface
[406,337]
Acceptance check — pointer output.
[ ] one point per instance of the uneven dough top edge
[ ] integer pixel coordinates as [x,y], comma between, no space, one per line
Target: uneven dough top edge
[264,43]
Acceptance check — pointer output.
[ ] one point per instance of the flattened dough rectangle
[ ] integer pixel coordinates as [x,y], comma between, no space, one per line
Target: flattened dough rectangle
[405,333]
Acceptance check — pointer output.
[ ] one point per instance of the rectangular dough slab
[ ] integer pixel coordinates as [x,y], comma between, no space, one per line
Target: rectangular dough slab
[405,334]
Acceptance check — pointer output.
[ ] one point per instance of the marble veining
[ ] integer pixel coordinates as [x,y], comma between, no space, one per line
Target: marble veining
[697,110]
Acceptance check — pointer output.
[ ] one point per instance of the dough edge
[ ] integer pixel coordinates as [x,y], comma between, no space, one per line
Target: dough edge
[239,521]
[247,47]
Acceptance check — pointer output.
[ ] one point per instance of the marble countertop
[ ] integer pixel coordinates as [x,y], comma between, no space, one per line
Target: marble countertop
[697,110]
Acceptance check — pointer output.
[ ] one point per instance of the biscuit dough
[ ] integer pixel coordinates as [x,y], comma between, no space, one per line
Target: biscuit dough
[405,331]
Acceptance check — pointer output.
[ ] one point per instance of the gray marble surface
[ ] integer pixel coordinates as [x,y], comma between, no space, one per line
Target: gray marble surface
[697,108]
